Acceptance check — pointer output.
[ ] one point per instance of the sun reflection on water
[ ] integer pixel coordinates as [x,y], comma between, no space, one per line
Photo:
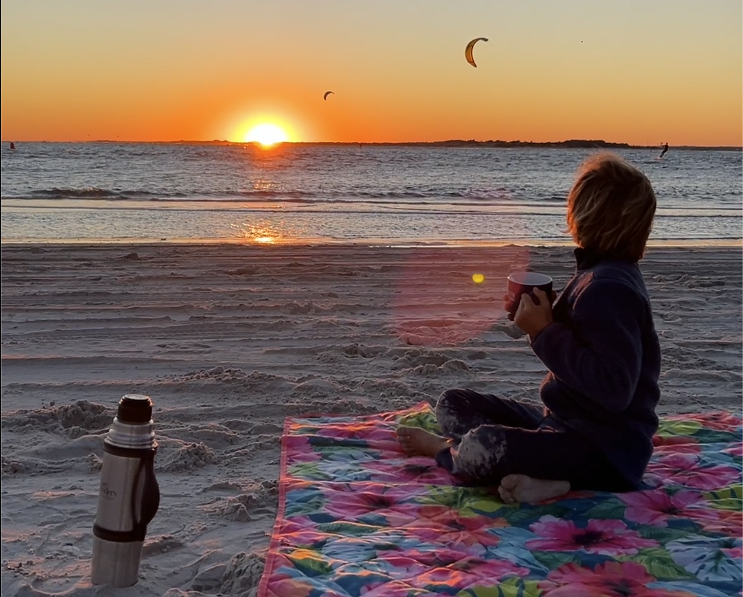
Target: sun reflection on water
[263,233]
[265,185]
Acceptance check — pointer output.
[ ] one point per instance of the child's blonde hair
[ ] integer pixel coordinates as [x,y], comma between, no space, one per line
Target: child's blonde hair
[611,208]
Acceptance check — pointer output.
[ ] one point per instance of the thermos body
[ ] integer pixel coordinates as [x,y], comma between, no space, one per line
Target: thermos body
[116,564]
[121,486]
[129,495]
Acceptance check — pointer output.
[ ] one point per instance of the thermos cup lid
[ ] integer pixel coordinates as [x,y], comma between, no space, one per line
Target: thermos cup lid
[135,408]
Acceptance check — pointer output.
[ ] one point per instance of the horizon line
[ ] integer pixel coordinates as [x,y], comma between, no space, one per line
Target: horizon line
[571,143]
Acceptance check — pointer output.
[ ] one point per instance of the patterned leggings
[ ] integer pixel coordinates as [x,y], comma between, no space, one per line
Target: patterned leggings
[494,437]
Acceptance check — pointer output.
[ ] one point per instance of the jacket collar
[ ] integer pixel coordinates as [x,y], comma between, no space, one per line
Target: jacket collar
[587,258]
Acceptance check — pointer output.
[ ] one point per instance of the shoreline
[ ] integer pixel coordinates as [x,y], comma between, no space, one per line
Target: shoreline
[497,144]
[320,242]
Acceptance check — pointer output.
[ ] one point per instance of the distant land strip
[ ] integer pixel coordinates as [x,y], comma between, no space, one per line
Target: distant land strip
[569,144]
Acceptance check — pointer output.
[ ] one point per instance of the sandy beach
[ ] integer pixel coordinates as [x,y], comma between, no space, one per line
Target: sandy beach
[228,340]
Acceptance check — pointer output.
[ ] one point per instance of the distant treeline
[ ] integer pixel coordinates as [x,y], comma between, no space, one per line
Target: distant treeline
[585,143]
[472,143]
[571,143]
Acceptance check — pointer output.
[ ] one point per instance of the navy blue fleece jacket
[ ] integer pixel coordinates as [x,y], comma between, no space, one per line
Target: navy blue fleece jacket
[603,357]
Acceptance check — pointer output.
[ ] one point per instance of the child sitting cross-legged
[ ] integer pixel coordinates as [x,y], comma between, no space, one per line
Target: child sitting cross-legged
[599,344]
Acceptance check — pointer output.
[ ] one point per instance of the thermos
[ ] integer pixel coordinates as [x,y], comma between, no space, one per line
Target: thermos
[129,494]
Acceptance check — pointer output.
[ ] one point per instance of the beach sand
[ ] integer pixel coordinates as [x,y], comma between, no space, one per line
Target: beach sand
[228,340]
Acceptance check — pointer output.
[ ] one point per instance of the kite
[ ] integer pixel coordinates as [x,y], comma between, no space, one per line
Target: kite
[327,93]
[470,47]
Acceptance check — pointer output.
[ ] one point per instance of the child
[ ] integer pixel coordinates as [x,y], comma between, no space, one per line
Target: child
[599,344]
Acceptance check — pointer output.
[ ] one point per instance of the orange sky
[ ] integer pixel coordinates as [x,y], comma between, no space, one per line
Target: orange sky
[632,71]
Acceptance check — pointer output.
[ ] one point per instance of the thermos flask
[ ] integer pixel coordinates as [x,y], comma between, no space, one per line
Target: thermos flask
[129,494]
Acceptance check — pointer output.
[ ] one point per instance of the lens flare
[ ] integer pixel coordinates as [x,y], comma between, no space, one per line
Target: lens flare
[436,303]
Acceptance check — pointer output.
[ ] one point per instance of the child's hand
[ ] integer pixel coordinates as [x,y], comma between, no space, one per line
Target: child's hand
[533,318]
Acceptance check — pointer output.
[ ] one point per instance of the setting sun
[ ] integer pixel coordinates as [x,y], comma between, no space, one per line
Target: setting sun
[266,134]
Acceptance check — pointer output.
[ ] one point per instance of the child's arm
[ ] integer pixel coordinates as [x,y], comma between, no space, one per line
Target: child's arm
[601,355]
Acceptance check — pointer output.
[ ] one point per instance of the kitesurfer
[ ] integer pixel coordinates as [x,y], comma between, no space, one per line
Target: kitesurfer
[665,149]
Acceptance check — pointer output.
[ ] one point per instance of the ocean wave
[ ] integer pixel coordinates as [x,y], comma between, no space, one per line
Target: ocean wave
[345,208]
[282,195]
[61,193]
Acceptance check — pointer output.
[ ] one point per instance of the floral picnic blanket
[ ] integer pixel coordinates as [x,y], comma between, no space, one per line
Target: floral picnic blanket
[358,517]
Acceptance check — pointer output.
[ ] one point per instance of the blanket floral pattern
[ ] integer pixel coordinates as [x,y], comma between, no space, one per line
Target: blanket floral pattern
[358,517]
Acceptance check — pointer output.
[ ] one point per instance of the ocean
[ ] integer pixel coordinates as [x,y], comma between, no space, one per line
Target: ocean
[396,195]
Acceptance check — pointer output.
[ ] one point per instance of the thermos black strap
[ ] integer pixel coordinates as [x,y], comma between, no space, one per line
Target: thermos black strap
[130,452]
[142,512]
[150,495]
[136,534]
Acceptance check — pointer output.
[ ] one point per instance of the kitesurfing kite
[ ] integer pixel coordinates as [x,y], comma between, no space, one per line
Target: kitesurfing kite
[470,47]
[327,93]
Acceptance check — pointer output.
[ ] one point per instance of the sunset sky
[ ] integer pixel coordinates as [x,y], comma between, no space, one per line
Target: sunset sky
[635,71]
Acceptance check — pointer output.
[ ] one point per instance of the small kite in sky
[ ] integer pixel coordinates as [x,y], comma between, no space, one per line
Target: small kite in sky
[327,93]
[470,47]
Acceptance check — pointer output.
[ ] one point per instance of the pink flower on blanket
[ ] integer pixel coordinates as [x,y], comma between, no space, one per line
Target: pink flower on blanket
[719,420]
[671,448]
[283,582]
[656,507]
[300,531]
[734,553]
[467,572]
[442,566]
[357,429]
[610,579]
[419,469]
[298,449]
[394,502]
[468,534]
[376,437]
[728,522]
[393,588]
[606,537]
[679,442]
[288,587]
[685,469]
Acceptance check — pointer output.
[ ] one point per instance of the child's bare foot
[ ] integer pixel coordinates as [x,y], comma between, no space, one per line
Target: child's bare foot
[520,488]
[417,441]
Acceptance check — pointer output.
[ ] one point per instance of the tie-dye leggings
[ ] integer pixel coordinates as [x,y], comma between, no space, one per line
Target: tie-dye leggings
[494,437]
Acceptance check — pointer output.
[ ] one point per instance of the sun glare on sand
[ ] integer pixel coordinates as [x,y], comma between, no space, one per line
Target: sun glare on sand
[266,134]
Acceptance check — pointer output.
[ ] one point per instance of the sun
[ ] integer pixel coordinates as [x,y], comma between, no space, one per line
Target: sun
[266,134]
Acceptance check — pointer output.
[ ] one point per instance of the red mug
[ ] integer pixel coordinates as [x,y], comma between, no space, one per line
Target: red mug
[520,283]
